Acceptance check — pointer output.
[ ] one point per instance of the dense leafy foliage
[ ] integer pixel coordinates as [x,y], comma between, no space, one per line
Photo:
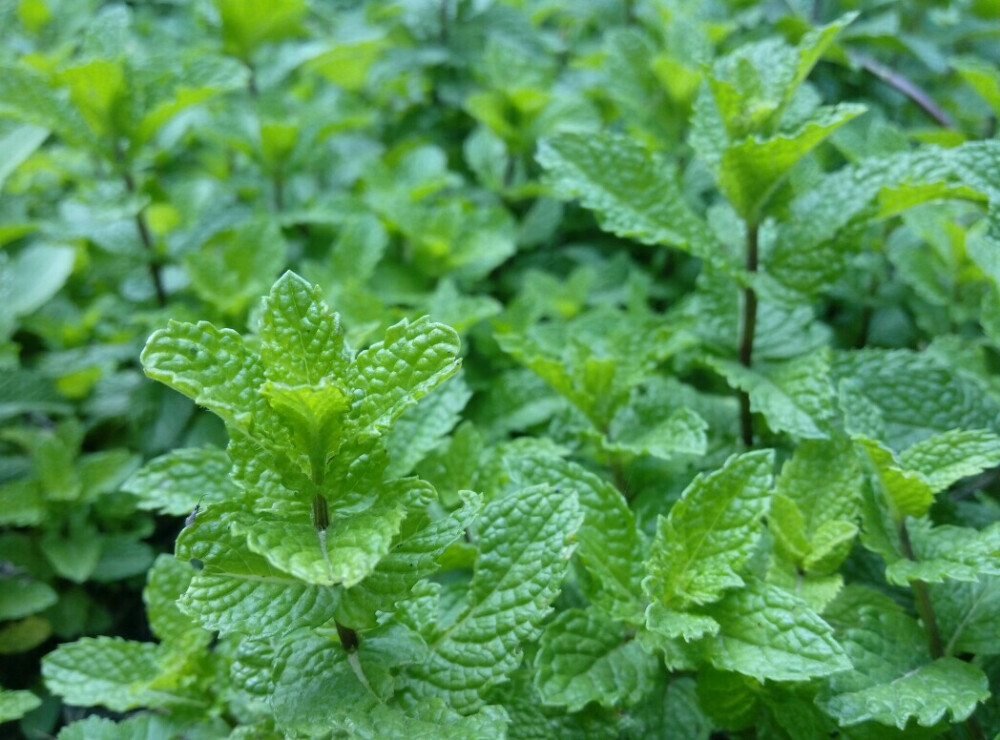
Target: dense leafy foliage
[525,369]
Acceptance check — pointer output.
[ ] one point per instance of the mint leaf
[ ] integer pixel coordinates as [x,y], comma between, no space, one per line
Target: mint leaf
[524,553]
[395,373]
[302,341]
[767,633]
[634,192]
[794,397]
[946,686]
[214,368]
[165,582]
[966,615]
[750,169]
[585,657]
[177,482]
[947,552]
[609,544]
[893,678]
[237,590]
[422,427]
[709,533]
[107,671]
[16,704]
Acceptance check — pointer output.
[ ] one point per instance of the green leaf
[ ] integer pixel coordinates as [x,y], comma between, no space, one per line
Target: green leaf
[710,532]
[236,266]
[794,397]
[75,553]
[17,145]
[182,479]
[966,615]
[344,553]
[524,552]
[750,169]
[586,657]
[893,678]
[165,582]
[214,368]
[949,457]
[896,396]
[16,704]
[395,373]
[908,492]
[946,686]
[609,544]
[634,192]
[816,504]
[248,24]
[27,96]
[105,671]
[310,668]
[982,76]
[20,597]
[34,276]
[422,427]
[302,341]
[642,429]
[412,557]
[768,633]
[947,552]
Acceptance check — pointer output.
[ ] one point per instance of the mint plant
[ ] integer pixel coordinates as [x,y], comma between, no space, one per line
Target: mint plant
[640,379]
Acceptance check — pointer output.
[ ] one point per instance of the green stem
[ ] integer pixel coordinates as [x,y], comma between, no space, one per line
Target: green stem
[147,242]
[922,597]
[749,326]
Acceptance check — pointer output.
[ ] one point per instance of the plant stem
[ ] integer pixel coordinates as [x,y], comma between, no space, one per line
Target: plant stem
[923,598]
[905,85]
[147,242]
[747,331]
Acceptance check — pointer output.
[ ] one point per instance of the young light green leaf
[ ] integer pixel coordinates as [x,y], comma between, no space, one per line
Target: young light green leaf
[345,553]
[816,503]
[178,481]
[524,553]
[586,657]
[302,341]
[768,633]
[395,373]
[237,590]
[213,367]
[750,169]
[710,532]
[634,192]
